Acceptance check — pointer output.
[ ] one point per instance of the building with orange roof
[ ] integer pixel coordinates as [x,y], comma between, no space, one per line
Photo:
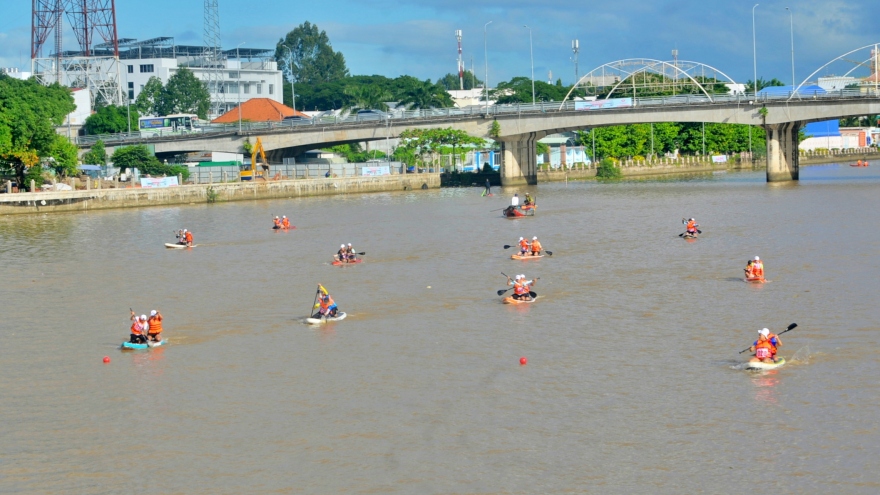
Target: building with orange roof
[259,110]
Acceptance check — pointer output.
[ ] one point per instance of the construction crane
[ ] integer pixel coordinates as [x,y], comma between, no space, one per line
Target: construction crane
[250,174]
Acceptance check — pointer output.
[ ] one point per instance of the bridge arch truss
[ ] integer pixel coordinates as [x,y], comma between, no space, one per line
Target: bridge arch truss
[645,74]
[872,64]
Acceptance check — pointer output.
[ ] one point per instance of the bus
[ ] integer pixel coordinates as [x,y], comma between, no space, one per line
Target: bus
[169,125]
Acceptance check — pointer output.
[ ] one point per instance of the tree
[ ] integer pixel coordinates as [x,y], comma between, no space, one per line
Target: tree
[519,90]
[424,94]
[419,142]
[314,60]
[750,85]
[149,100]
[111,119]
[139,157]
[28,113]
[451,81]
[64,157]
[184,93]
[368,97]
[97,155]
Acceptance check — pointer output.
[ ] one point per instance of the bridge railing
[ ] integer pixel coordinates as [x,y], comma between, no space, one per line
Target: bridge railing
[409,116]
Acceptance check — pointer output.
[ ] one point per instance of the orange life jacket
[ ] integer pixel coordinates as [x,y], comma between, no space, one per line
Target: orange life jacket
[520,288]
[326,304]
[770,339]
[277,222]
[285,223]
[524,244]
[136,327]
[189,237]
[155,324]
[536,247]
[692,226]
[758,269]
[764,349]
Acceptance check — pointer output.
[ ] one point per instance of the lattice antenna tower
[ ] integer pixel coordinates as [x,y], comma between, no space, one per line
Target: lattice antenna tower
[213,57]
[94,66]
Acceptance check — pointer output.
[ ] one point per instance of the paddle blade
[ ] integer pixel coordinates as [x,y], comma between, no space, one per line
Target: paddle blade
[549,253]
[362,254]
[506,246]
[501,292]
[793,325]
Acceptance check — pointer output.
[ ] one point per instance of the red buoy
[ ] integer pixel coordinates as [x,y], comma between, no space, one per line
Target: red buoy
[107,359]
[523,361]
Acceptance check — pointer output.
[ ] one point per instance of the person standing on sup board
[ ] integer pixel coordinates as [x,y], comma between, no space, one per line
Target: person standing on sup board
[488,191]
[138,329]
[765,347]
[155,322]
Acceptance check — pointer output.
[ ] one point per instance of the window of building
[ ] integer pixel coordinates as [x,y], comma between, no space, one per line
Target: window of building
[234,74]
[146,68]
[142,87]
[131,69]
[259,89]
[130,90]
[247,88]
[271,89]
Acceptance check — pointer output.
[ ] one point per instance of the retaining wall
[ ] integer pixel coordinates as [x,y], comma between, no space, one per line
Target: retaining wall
[98,199]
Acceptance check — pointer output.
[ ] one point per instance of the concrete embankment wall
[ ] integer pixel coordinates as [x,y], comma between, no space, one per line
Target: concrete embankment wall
[841,156]
[98,199]
[632,170]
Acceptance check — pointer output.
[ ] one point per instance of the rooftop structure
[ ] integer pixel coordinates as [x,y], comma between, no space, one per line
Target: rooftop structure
[259,110]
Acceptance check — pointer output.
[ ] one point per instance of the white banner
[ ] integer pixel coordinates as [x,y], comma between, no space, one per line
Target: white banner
[373,171]
[159,182]
[719,159]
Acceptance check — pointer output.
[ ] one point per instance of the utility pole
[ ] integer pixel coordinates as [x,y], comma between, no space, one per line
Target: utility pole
[576,48]
[460,62]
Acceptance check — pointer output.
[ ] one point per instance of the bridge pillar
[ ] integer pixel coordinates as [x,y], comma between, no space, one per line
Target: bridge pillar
[519,160]
[782,151]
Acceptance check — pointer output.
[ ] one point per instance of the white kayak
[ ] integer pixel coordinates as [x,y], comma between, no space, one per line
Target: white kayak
[317,321]
[174,245]
[760,365]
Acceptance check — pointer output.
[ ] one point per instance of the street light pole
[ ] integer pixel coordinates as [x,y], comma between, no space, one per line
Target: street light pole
[791,22]
[238,85]
[755,51]
[127,100]
[486,57]
[532,57]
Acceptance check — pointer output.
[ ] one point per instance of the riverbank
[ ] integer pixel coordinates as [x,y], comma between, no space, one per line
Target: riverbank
[136,197]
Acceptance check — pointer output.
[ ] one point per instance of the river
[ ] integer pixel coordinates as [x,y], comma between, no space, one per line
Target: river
[632,383]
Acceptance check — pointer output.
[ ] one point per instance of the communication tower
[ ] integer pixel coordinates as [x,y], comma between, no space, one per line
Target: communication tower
[213,59]
[460,62]
[94,66]
[576,48]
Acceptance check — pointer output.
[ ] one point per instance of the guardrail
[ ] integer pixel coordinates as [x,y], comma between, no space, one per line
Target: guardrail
[409,116]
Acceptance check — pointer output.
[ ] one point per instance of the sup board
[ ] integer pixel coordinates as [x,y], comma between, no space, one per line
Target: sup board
[343,263]
[129,345]
[317,321]
[511,300]
[521,257]
[755,280]
[178,246]
[765,366]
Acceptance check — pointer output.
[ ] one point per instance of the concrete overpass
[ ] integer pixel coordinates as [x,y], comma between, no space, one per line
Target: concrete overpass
[521,126]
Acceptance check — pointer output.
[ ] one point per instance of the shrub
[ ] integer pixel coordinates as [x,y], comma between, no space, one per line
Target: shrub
[608,170]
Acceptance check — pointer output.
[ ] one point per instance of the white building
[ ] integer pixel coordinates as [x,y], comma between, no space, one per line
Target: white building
[15,73]
[244,73]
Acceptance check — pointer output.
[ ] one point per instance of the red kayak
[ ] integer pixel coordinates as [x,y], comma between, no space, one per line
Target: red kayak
[514,212]
[343,263]
[757,280]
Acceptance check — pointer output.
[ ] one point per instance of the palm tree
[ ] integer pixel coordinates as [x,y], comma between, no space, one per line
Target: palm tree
[424,94]
[367,97]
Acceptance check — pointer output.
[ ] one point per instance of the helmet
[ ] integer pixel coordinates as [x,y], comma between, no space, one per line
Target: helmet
[764,331]
[535,238]
[276,216]
[691,220]
[285,216]
[143,317]
[342,246]
[757,259]
[153,312]
[349,244]
[520,238]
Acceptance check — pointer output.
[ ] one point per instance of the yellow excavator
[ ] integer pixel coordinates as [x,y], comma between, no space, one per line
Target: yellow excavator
[250,174]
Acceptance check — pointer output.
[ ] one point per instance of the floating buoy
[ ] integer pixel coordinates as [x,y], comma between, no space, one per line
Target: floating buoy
[107,359]
[523,361]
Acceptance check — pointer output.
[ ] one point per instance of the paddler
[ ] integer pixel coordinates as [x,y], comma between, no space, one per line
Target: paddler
[188,237]
[758,268]
[523,247]
[285,222]
[692,226]
[342,254]
[521,287]
[349,251]
[749,269]
[765,347]
[277,223]
[328,307]
[155,322]
[138,328]
[181,237]
[536,246]
[528,201]
[514,201]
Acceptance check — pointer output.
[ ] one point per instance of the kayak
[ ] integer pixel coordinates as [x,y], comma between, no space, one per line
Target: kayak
[343,263]
[756,280]
[512,212]
[129,345]
[521,257]
[282,228]
[765,366]
[317,321]
[688,236]
[178,246]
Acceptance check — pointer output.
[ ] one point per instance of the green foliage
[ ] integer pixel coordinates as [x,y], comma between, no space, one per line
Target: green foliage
[33,174]
[64,157]
[369,92]
[212,194]
[139,157]
[542,148]
[422,94]
[247,146]
[183,93]
[28,113]
[519,90]
[111,119]
[608,170]
[149,101]
[452,82]
[687,138]
[750,85]
[314,60]
[367,97]
[419,142]
[97,155]
[495,129]
[763,111]
[354,154]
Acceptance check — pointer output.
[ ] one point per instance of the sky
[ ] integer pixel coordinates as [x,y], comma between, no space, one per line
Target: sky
[417,38]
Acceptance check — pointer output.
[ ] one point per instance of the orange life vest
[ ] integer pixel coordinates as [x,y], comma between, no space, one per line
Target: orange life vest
[326,304]
[285,223]
[692,226]
[155,324]
[770,340]
[758,269]
[136,327]
[277,222]
[189,236]
[536,247]
[524,244]
[764,349]
[520,288]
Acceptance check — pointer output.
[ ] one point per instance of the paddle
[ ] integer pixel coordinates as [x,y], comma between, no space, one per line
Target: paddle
[315,302]
[790,328]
